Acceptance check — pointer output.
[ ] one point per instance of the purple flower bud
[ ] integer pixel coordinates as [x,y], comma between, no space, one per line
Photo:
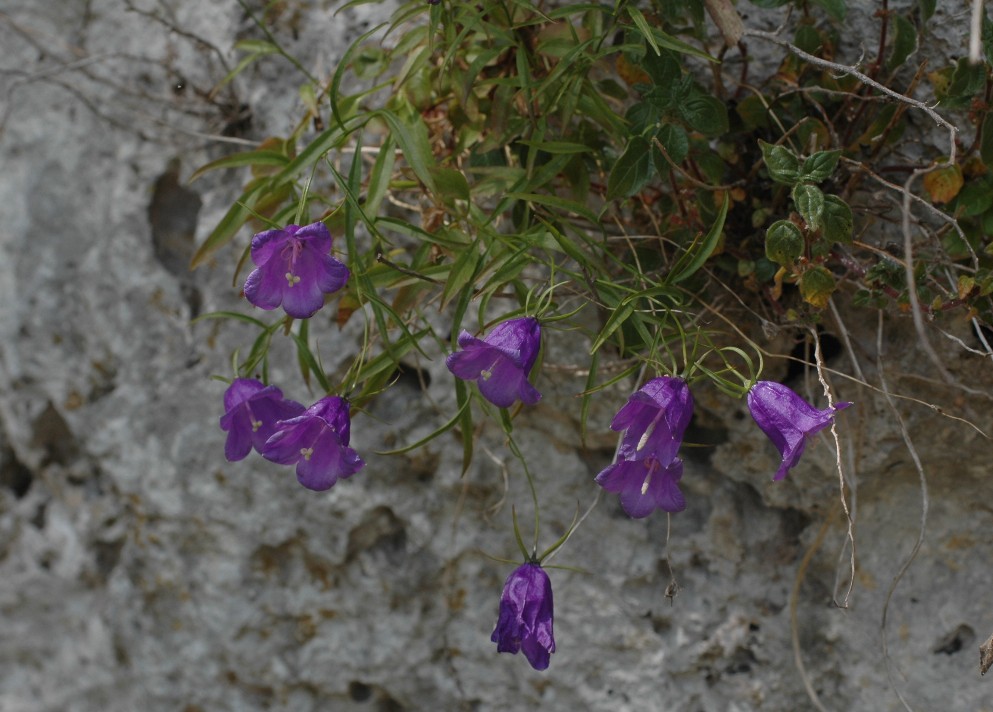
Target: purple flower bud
[787,419]
[501,362]
[525,621]
[317,443]
[645,485]
[294,269]
[251,410]
[655,418]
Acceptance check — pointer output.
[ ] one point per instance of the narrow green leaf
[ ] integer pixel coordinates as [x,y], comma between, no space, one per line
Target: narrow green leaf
[551,201]
[620,315]
[246,158]
[986,143]
[413,140]
[927,8]
[904,42]
[448,425]
[308,361]
[698,257]
[238,316]
[462,272]
[379,178]
[642,24]
[233,219]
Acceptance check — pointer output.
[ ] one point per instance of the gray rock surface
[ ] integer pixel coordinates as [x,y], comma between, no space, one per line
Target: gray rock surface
[140,570]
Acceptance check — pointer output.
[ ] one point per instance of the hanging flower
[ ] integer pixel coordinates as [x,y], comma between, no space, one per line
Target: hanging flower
[525,621]
[787,419]
[645,485]
[655,419]
[294,269]
[316,441]
[251,410]
[501,362]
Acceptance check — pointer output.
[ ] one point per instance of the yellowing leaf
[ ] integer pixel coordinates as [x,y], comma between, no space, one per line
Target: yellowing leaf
[943,184]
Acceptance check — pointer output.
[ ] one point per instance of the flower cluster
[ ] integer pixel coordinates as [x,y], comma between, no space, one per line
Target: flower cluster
[655,419]
[295,270]
[315,440]
[647,471]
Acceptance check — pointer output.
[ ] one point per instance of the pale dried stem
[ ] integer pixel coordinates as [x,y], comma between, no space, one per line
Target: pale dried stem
[819,360]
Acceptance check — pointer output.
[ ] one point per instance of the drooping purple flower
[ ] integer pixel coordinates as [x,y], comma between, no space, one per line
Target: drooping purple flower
[501,362]
[525,621]
[655,419]
[787,419]
[294,269]
[316,441]
[645,485]
[251,410]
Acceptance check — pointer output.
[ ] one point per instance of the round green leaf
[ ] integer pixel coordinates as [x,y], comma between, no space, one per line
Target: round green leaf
[783,242]
[810,204]
[838,220]
[816,286]
[782,164]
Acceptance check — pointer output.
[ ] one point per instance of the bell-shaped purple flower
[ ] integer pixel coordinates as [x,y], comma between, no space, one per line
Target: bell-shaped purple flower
[655,419]
[525,621]
[294,269]
[645,485]
[501,362]
[251,410]
[317,443]
[787,419]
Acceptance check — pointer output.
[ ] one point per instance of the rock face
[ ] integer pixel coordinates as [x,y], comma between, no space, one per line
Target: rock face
[139,570]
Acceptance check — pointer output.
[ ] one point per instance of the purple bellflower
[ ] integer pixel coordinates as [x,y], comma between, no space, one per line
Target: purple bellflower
[787,419]
[251,410]
[525,621]
[501,362]
[645,485]
[316,441]
[294,269]
[655,419]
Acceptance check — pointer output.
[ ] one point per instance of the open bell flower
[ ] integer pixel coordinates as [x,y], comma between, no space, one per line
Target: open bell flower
[645,485]
[316,441]
[500,362]
[294,269]
[525,622]
[655,419]
[787,419]
[251,410]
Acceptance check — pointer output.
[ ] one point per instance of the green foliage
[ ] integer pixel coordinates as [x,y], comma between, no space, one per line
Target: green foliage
[595,165]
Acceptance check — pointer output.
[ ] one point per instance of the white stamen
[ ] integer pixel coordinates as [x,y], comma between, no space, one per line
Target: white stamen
[487,375]
[649,430]
[292,279]
[648,478]
[306,452]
